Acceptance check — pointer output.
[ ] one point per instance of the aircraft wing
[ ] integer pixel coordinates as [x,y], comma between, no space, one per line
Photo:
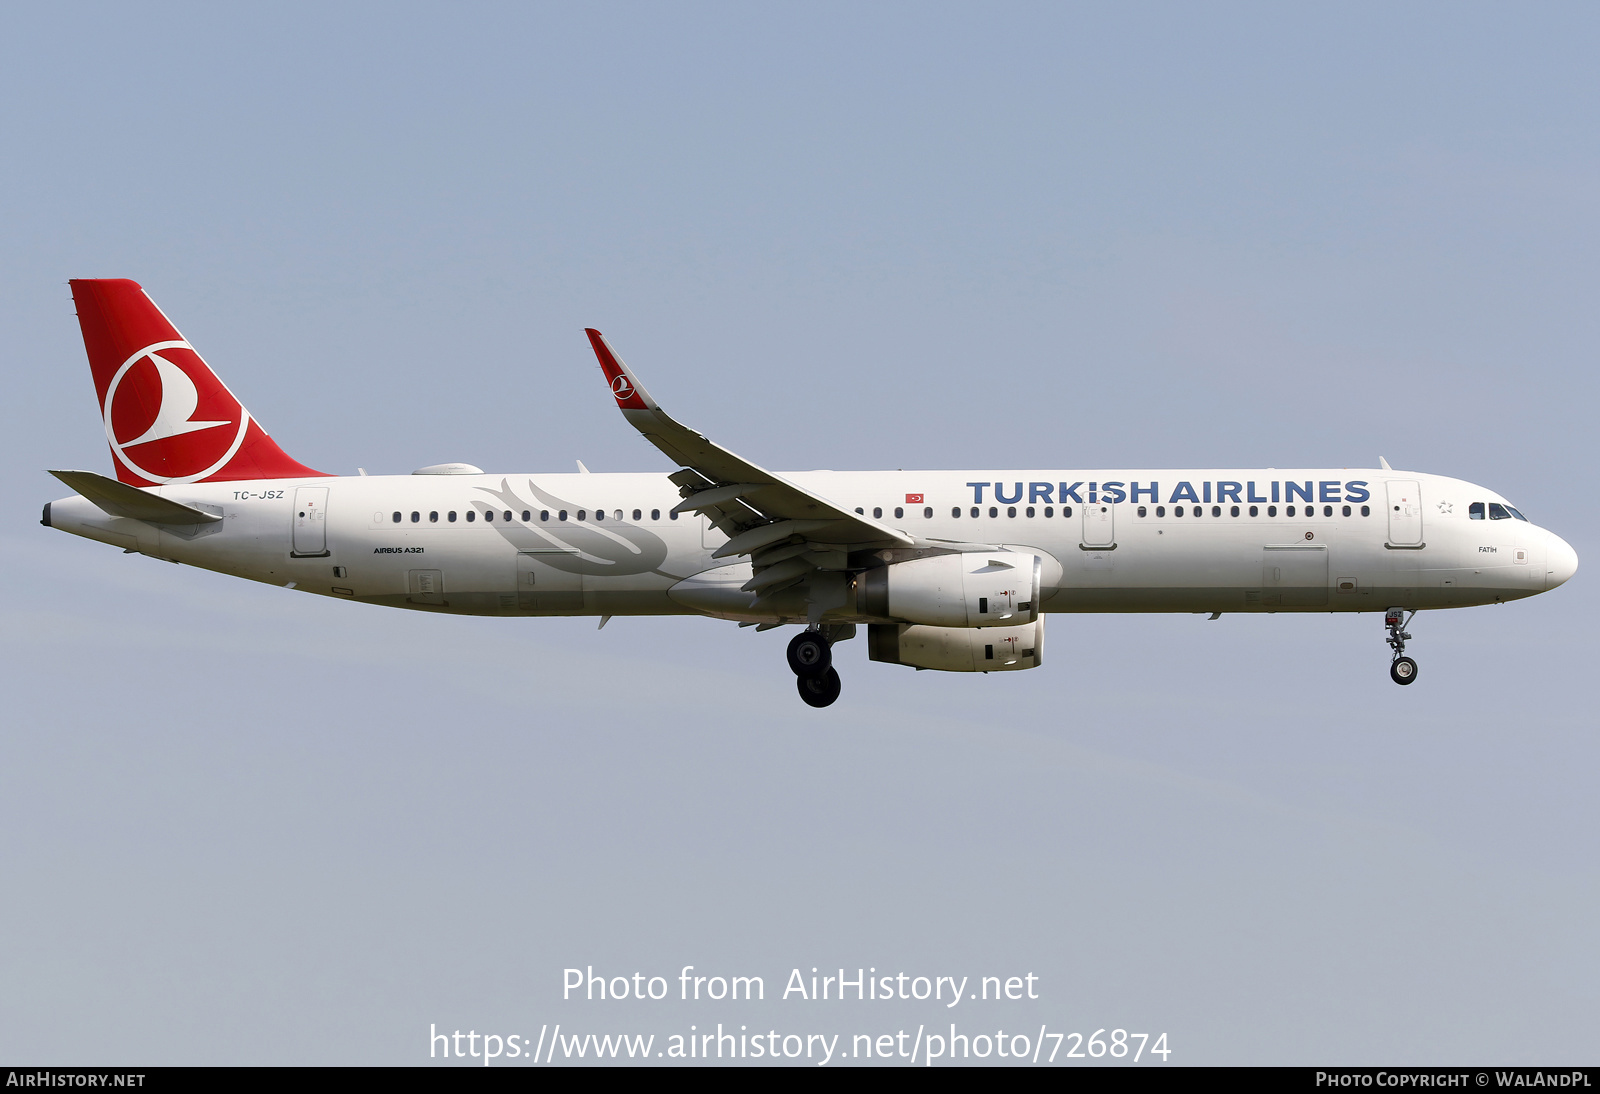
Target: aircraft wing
[762,513]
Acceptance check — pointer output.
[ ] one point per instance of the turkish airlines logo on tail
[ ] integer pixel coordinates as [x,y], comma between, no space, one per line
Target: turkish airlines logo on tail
[166,415]
[621,388]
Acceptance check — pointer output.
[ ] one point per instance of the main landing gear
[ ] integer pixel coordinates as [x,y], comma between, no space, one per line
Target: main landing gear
[1402,670]
[811,658]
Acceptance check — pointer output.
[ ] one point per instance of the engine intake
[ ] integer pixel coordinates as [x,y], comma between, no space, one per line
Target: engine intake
[970,589]
[958,649]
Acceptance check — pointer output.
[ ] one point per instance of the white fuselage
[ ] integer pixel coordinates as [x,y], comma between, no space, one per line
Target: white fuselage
[606,544]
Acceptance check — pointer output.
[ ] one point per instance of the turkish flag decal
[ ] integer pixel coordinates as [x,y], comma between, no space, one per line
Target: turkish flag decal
[913,499]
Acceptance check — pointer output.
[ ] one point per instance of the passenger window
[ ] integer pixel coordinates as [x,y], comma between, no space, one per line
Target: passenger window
[544,514]
[1233,512]
[397,518]
[1028,511]
[955,512]
[599,515]
[636,515]
[927,514]
[433,518]
[1066,510]
[1475,510]
[1177,510]
[1255,510]
[974,512]
[898,512]
[488,514]
[993,511]
[1347,510]
[1498,511]
[860,512]
[1197,510]
[1289,512]
[561,515]
[472,515]
[583,514]
[1141,511]
[877,512]
[527,515]
[450,516]
[1216,510]
[673,515]
[1049,510]
[1011,511]
[1161,510]
[1366,510]
[415,516]
[1327,510]
[655,514]
[1272,510]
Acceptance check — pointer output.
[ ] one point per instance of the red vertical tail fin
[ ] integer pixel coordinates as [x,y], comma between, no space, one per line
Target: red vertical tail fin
[168,418]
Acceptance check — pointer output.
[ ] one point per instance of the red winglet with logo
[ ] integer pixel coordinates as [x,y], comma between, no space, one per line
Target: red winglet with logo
[168,418]
[624,386]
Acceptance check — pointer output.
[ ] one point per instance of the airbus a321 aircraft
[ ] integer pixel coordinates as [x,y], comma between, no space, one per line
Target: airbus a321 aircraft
[947,570]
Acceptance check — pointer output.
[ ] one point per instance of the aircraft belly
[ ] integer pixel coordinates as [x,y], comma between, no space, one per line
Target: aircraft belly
[1180,569]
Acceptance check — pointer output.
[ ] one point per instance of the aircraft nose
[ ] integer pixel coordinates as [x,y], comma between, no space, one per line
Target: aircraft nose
[1561,562]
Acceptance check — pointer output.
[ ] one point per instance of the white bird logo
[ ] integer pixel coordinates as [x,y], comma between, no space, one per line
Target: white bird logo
[179,399]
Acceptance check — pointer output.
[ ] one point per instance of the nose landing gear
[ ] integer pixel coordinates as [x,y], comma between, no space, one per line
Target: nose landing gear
[811,658]
[1402,670]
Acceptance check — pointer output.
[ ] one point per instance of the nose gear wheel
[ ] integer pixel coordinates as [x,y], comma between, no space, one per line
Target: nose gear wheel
[1402,669]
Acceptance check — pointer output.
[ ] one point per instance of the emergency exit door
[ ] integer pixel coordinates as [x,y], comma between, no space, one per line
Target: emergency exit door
[310,522]
[1099,525]
[1405,514]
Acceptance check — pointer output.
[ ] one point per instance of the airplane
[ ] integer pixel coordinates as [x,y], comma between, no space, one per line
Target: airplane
[951,571]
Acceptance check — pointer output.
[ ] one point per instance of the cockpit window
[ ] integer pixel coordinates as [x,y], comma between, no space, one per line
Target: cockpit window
[1475,510]
[1498,511]
[1518,515]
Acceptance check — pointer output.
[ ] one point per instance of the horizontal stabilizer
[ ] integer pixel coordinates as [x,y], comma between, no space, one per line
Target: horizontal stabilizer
[121,500]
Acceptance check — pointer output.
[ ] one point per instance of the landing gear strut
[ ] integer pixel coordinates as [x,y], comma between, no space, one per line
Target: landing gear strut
[1402,670]
[811,658]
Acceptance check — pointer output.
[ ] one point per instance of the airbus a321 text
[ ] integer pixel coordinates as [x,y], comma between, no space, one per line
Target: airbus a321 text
[948,570]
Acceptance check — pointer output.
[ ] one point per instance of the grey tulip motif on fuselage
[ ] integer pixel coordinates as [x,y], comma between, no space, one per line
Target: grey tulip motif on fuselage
[607,548]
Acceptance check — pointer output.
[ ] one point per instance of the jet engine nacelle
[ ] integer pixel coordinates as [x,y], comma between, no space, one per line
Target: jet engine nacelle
[958,649]
[970,589]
